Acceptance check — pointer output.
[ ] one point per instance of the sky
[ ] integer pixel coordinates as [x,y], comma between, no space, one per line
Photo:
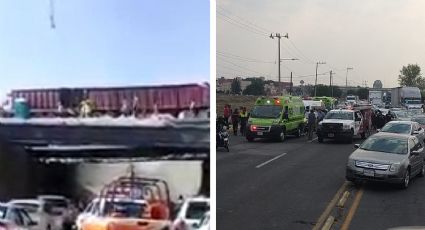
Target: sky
[103,43]
[376,38]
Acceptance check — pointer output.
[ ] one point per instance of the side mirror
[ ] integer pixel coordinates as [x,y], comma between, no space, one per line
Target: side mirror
[356,146]
[415,153]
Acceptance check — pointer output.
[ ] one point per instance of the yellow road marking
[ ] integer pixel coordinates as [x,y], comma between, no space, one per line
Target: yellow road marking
[328,223]
[353,209]
[330,206]
[343,199]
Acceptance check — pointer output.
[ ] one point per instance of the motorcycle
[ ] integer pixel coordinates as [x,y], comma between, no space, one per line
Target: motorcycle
[223,138]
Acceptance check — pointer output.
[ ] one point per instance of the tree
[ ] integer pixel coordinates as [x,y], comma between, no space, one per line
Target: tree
[410,75]
[236,86]
[255,88]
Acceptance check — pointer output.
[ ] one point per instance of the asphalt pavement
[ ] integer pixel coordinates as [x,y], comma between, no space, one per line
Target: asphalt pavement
[290,185]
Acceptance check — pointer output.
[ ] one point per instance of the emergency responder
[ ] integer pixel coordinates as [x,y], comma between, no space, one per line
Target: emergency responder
[244,120]
[235,121]
[311,124]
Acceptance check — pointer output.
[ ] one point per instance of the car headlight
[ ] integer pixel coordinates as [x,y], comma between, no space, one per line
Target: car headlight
[346,126]
[394,167]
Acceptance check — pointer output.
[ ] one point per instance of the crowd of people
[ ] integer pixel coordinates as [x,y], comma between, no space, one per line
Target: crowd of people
[237,117]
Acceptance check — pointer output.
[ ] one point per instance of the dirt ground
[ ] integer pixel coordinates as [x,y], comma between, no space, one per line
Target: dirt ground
[235,101]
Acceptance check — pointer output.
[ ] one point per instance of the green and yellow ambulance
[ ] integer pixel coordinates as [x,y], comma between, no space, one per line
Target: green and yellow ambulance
[276,117]
[330,102]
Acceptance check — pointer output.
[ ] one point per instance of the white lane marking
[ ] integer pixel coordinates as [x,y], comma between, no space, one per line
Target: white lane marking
[274,158]
[312,140]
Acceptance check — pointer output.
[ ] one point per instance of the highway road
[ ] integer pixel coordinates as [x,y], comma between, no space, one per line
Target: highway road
[301,184]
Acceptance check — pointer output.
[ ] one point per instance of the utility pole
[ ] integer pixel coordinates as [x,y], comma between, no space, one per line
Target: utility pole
[330,83]
[315,83]
[278,36]
[290,86]
[346,76]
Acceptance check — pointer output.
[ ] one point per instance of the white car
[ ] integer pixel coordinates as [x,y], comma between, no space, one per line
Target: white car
[191,213]
[37,212]
[58,207]
[15,218]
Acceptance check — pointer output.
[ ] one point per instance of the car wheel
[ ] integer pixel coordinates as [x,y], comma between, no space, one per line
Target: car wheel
[406,179]
[48,227]
[422,172]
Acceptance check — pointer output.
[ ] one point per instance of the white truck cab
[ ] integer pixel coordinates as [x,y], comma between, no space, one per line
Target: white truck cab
[341,124]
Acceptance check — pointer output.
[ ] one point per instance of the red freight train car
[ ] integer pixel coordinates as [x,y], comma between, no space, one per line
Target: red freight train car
[173,98]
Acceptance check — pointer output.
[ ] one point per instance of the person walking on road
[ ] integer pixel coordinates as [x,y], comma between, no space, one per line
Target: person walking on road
[244,120]
[235,121]
[311,124]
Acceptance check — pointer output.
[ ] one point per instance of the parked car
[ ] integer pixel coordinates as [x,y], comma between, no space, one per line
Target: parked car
[400,115]
[37,212]
[404,127]
[387,157]
[191,212]
[420,120]
[59,209]
[15,218]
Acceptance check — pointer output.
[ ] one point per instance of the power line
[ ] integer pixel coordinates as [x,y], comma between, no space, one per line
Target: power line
[237,57]
[301,53]
[261,74]
[240,25]
[246,21]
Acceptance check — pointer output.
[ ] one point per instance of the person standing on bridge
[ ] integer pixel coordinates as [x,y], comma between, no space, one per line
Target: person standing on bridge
[311,124]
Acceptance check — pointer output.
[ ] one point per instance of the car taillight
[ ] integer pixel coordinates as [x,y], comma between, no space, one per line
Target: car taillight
[253,128]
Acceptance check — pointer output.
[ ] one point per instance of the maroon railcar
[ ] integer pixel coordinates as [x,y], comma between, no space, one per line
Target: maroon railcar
[172,98]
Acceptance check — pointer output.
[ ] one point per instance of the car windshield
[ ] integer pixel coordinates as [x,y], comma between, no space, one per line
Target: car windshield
[396,128]
[351,98]
[414,112]
[340,115]
[420,120]
[413,102]
[30,208]
[401,114]
[197,210]
[385,144]
[125,209]
[266,111]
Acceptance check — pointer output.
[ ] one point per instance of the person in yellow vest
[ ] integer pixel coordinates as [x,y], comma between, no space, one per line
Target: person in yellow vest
[244,119]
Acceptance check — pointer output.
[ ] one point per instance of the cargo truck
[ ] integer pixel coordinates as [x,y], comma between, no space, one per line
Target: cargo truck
[375,97]
[408,97]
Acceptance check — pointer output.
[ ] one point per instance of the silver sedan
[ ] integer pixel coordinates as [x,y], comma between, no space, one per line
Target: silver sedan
[387,157]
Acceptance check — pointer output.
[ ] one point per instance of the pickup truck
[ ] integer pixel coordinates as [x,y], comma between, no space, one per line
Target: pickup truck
[345,124]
